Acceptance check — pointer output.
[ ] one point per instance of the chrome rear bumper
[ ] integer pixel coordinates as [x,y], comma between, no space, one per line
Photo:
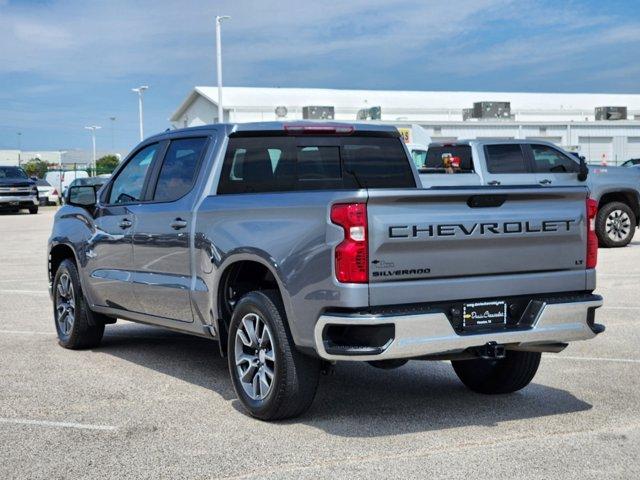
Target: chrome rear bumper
[418,335]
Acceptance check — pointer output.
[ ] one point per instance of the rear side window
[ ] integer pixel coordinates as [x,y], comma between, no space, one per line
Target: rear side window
[505,159]
[550,160]
[272,164]
[448,159]
[179,169]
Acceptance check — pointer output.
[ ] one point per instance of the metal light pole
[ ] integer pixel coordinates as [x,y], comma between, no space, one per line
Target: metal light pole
[19,147]
[113,121]
[140,91]
[219,20]
[93,129]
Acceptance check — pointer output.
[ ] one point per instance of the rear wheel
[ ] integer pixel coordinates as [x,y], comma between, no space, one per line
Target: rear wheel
[33,210]
[615,225]
[272,379]
[77,326]
[509,374]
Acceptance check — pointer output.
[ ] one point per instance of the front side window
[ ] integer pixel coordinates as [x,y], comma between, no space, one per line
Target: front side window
[127,187]
[550,160]
[179,169]
[505,159]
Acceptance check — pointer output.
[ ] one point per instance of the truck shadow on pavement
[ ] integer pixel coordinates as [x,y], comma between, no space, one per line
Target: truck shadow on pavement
[356,400]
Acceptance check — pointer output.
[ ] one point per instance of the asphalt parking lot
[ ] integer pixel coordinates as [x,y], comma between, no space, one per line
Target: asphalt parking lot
[155,404]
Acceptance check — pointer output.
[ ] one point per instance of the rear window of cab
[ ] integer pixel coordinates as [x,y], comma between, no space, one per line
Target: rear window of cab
[294,163]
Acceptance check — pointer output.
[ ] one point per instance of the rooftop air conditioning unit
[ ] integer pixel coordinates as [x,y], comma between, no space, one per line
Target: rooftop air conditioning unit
[611,113]
[492,110]
[318,113]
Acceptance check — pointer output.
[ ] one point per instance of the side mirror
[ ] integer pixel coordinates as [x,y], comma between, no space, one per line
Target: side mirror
[583,173]
[82,196]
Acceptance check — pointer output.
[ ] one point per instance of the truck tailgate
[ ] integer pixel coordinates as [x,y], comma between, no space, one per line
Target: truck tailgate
[437,244]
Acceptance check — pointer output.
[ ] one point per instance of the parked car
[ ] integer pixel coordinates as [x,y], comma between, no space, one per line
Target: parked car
[529,162]
[17,190]
[631,163]
[94,181]
[299,245]
[47,194]
[61,179]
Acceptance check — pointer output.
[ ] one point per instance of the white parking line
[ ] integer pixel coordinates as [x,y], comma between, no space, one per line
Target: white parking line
[622,307]
[26,332]
[46,423]
[620,275]
[593,359]
[37,293]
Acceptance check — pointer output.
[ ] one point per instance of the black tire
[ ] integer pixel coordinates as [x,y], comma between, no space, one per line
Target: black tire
[510,374]
[33,210]
[626,229]
[295,375]
[87,327]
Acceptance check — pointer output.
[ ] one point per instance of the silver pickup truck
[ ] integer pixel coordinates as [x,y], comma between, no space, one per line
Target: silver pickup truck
[534,162]
[299,245]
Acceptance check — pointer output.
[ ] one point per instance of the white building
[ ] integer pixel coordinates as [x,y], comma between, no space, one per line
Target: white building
[567,119]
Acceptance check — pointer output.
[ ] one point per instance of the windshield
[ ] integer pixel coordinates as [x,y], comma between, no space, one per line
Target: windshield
[12,172]
[419,157]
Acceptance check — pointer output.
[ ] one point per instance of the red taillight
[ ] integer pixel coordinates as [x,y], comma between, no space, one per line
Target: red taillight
[352,254]
[54,192]
[302,129]
[592,239]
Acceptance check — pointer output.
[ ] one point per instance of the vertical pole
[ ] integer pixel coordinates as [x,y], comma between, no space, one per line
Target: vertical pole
[219,69]
[93,140]
[140,115]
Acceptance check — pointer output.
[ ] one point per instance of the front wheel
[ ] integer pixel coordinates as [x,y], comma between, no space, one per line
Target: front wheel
[77,326]
[33,210]
[615,225]
[506,375]
[272,379]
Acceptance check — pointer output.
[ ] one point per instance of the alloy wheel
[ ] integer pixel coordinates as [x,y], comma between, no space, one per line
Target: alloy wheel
[618,225]
[65,304]
[255,356]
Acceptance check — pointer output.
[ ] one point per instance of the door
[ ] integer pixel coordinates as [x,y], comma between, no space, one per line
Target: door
[507,164]
[632,148]
[553,167]
[161,242]
[597,150]
[110,250]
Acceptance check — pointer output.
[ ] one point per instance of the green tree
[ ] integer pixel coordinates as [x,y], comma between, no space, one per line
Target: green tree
[36,168]
[106,164]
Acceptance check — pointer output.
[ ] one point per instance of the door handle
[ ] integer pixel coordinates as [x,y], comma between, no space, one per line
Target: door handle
[493,183]
[125,223]
[545,181]
[178,223]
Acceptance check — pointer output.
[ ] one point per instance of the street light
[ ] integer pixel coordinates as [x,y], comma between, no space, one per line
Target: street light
[140,90]
[19,146]
[93,129]
[113,121]
[219,20]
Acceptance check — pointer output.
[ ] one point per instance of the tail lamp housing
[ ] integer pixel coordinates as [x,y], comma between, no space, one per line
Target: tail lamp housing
[352,254]
[592,239]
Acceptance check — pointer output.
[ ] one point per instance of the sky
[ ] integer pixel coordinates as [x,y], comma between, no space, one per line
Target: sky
[65,64]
